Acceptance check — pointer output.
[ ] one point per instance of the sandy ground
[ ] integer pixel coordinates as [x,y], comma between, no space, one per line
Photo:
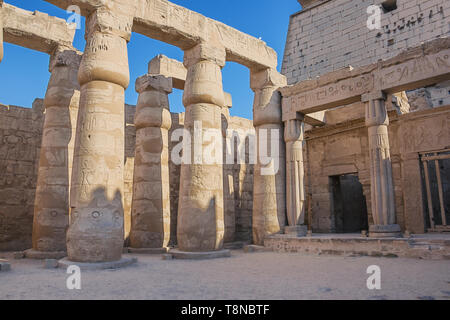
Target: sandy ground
[263,275]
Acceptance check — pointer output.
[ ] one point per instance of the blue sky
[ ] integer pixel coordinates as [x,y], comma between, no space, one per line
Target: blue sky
[24,73]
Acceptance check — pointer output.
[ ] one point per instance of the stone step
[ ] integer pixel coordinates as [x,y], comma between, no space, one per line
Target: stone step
[419,248]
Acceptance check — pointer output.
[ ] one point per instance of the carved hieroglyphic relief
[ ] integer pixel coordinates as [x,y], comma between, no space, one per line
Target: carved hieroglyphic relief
[427,134]
[418,69]
[332,93]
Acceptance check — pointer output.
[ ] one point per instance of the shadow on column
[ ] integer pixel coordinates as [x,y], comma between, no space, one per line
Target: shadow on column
[96,229]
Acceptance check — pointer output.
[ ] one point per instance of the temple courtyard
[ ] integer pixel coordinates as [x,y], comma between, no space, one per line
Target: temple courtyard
[259,275]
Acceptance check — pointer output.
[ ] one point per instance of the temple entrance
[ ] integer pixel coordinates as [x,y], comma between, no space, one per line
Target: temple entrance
[349,210]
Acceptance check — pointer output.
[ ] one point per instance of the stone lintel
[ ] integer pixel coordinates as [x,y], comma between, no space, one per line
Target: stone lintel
[35,30]
[315,119]
[150,82]
[108,21]
[417,67]
[184,28]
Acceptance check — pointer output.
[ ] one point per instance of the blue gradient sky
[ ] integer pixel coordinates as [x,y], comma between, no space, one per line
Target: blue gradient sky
[24,73]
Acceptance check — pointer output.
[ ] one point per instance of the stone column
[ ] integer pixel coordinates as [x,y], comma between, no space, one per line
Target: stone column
[51,208]
[201,204]
[295,177]
[269,184]
[96,224]
[381,182]
[150,209]
[229,205]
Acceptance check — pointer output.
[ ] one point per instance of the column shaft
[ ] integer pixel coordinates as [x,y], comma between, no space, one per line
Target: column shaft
[201,205]
[295,177]
[229,205]
[382,189]
[150,213]
[96,225]
[51,210]
[269,184]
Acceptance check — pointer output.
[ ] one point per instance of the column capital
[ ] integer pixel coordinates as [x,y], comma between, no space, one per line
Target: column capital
[293,130]
[106,21]
[376,113]
[376,95]
[65,56]
[267,102]
[151,82]
[204,51]
[266,78]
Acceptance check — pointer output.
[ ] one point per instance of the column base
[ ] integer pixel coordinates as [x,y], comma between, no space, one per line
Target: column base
[177,254]
[65,263]
[297,231]
[385,231]
[41,255]
[147,250]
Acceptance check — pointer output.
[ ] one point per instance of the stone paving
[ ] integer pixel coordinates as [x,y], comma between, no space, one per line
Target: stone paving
[261,275]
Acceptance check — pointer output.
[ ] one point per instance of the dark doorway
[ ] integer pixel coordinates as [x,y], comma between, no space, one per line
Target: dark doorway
[349,204]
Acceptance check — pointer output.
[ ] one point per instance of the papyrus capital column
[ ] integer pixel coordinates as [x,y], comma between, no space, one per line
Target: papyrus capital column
[201,206]
[295,176]
[51,208]
[269,185]
[96,226]
[150,210]
[381,181]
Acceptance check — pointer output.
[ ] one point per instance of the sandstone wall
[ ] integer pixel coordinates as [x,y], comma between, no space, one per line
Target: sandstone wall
[241,185]
[20,142]
[328,35]
[334,34]
[341,148]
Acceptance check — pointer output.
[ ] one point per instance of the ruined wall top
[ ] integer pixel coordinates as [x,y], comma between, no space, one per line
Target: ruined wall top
[184,28]
[311,3]
[35,30]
